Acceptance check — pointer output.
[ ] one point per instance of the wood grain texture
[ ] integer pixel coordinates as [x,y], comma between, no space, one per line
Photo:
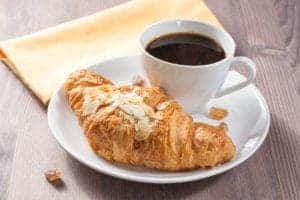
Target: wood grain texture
[289,20]
[18,107]
[267,31]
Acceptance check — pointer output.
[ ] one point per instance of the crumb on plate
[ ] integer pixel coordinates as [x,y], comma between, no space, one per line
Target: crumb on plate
[217,113]
[137,80]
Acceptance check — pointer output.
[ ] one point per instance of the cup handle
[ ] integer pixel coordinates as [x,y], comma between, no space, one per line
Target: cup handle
[250,67]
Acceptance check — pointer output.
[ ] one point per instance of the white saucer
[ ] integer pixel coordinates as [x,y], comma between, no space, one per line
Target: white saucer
[248,123]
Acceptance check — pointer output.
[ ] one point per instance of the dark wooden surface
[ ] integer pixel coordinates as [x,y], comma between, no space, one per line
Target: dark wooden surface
[268,31]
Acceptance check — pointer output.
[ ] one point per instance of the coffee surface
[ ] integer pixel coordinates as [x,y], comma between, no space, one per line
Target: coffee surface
[186,49]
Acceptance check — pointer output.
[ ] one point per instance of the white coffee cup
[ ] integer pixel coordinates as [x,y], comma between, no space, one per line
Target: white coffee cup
[193,86]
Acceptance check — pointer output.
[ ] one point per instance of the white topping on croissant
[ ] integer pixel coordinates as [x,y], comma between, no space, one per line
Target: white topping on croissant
[90,106]
[163,105]
[133,109]
[130,103]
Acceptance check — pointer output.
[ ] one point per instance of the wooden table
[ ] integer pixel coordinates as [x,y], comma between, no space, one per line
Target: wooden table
[268,31]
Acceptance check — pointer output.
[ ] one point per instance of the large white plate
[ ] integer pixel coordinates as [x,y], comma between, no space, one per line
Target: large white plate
[248,122]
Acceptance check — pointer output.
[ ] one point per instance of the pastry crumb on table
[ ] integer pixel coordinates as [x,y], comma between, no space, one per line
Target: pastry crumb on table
[53,177]
[217,113]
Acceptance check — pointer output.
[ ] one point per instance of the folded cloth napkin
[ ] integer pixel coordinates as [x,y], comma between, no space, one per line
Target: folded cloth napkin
[43,60]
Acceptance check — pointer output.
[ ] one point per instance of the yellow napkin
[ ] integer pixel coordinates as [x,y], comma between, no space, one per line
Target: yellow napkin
[42,60]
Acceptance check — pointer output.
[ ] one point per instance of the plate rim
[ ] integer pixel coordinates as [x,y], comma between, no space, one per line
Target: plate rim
[169,180]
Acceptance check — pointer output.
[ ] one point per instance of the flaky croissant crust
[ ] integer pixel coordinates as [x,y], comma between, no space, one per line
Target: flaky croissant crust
[174,141]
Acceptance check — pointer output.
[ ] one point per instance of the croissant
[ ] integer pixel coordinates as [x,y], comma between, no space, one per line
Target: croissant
[141,126]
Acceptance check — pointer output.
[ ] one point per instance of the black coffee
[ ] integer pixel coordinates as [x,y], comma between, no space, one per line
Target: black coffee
[186,49]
